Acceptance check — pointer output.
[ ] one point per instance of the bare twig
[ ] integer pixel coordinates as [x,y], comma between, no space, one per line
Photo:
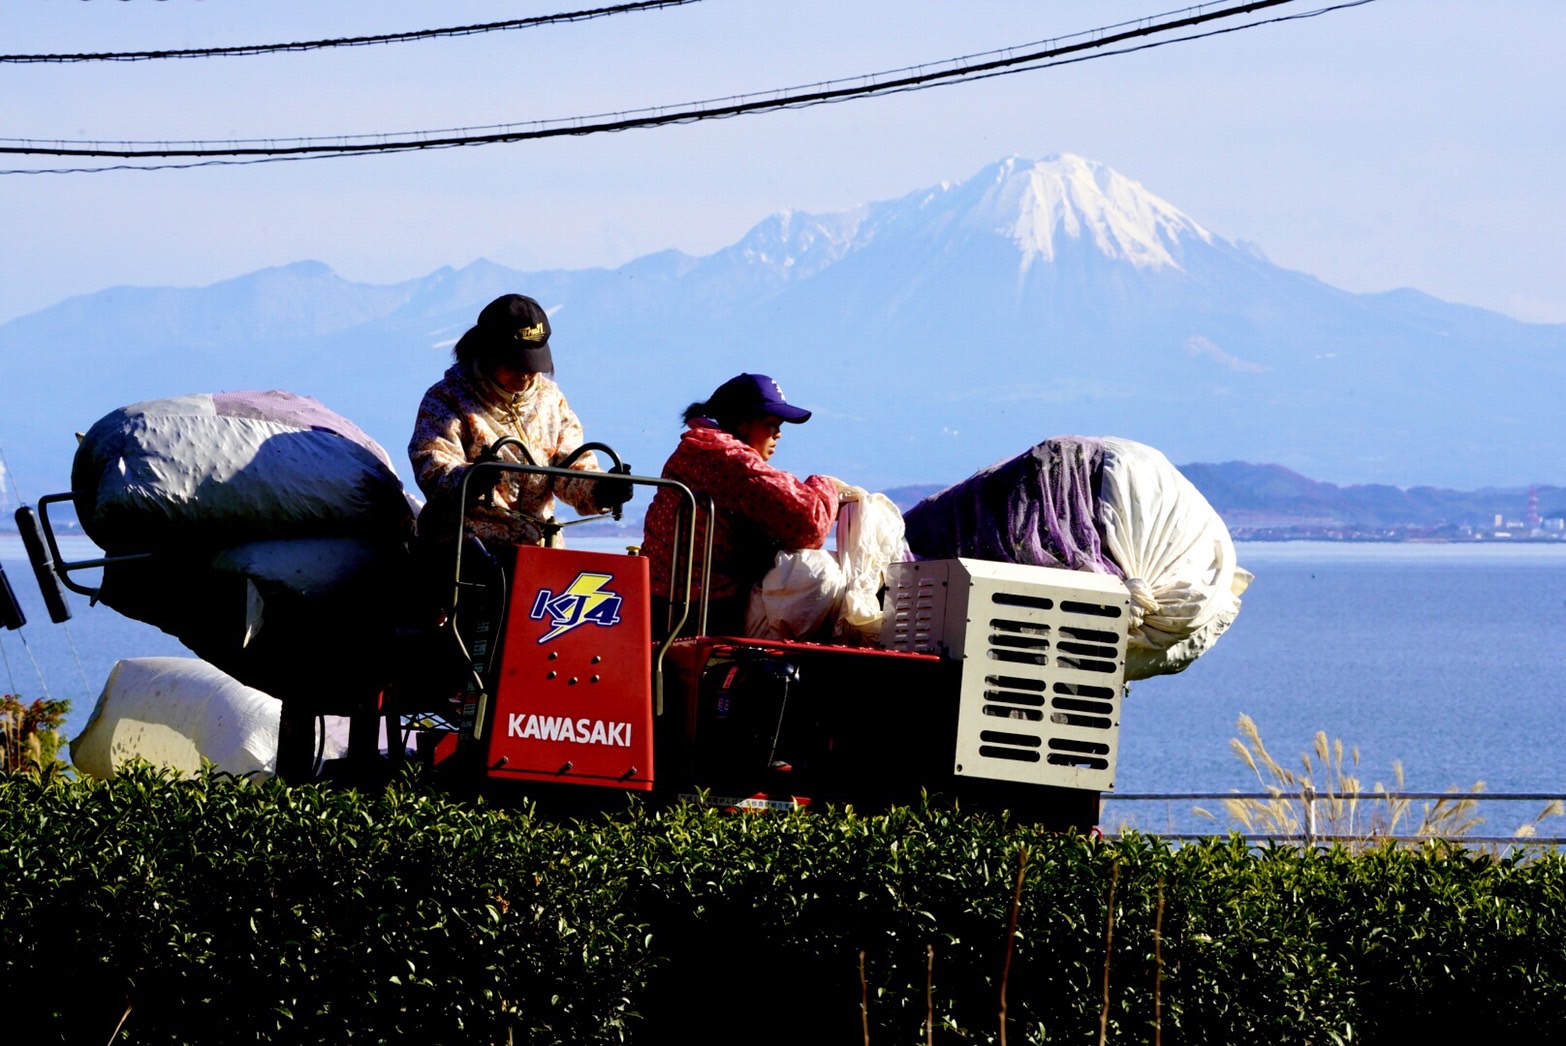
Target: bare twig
[115,1034]
[1109,941]
[929,995]
[1011,937]
[1158,967]
[864,998]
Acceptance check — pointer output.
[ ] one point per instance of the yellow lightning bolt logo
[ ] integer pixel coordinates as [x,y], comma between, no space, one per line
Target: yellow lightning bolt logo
[584,601]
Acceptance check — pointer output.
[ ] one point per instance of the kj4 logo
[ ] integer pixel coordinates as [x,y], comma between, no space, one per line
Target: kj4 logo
[585,601]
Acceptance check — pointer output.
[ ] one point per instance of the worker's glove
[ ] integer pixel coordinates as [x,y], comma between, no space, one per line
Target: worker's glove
[610,494]
[487,453]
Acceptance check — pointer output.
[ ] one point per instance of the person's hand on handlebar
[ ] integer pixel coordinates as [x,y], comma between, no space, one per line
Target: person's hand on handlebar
[610,494]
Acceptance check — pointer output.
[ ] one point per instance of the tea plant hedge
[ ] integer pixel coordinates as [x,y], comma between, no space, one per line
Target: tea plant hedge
[211,910]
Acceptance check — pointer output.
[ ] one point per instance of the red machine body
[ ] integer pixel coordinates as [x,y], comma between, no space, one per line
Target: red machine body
[573,697]
[541,671]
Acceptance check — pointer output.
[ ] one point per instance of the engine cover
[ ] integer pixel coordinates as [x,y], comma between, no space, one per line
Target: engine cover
[573,696]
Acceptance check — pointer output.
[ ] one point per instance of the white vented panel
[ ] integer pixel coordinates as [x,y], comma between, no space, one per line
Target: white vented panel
[914,607]
[1043,654]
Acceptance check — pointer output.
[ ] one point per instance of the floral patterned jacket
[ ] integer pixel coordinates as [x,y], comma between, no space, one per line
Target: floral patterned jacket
[464,413]
[759,511]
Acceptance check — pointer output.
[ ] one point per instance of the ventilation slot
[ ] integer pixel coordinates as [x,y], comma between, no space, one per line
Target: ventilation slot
[1001,744]
[1016,657]
[1019,683]
[1085,690]
[1087,754]
[1089,650]
[1016,754]
[1086,762]
[1017,599]
[1071,606]
[1090,722]
[1072,704]
[1016,698]
[1026,628]
[1089,635]
[1032,715]
[1020,642]
[1082,664]
[1000,737]
[1068,744]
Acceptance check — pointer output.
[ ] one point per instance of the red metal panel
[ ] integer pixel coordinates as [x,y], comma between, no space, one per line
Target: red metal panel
[573,699]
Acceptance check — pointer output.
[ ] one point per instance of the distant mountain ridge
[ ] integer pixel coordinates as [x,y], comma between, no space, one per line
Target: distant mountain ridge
[932,334]
[1253,497]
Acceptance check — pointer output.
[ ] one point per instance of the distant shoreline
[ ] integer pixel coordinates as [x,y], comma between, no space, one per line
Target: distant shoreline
[1239,539]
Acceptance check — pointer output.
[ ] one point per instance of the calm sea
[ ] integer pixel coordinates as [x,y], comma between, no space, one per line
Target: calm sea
[1448,658]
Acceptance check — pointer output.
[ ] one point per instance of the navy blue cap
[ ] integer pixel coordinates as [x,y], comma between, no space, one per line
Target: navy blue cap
[754,394]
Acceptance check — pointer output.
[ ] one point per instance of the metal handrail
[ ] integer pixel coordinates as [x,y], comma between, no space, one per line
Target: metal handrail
[58,566]
[560,472]
[685,527]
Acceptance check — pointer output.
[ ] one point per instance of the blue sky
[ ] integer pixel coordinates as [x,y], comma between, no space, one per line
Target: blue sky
[1401,143]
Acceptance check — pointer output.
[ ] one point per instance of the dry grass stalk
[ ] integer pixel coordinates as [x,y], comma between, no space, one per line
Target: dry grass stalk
[1300,805]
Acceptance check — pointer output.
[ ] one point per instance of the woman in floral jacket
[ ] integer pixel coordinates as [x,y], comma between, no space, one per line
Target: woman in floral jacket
[759,509]
[501,385]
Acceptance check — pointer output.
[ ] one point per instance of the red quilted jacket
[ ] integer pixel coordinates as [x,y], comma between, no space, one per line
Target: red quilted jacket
[759,510]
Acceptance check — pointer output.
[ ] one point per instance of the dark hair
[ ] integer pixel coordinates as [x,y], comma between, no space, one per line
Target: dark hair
[728,420]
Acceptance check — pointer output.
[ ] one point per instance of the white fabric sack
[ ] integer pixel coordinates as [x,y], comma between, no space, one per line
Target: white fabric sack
[869,539]
[1179,560]
[797,598]
[177,711]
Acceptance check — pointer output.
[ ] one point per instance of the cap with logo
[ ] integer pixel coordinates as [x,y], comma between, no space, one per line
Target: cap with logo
[746,394]
[515,330]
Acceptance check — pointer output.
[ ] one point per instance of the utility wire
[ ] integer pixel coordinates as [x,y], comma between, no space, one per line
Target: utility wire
[983,65]
[348,41]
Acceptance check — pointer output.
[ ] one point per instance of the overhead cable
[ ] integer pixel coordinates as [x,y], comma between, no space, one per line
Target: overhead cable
[347,41]
[1021,58]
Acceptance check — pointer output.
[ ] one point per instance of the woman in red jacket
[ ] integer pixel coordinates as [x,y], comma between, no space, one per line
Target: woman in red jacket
[759,509]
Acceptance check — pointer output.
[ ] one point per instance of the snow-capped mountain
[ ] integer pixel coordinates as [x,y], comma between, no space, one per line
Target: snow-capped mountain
[932,334]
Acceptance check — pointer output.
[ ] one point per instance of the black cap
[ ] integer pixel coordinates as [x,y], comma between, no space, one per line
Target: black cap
[515,331]
[754,394]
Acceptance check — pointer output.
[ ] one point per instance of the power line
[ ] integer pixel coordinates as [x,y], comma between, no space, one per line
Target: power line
[348,41]
[983,65]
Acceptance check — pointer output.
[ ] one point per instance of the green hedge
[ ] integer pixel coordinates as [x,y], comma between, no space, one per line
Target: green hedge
[216,911]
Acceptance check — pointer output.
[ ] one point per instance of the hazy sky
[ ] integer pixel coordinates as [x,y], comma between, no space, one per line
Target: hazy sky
[1401,143]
